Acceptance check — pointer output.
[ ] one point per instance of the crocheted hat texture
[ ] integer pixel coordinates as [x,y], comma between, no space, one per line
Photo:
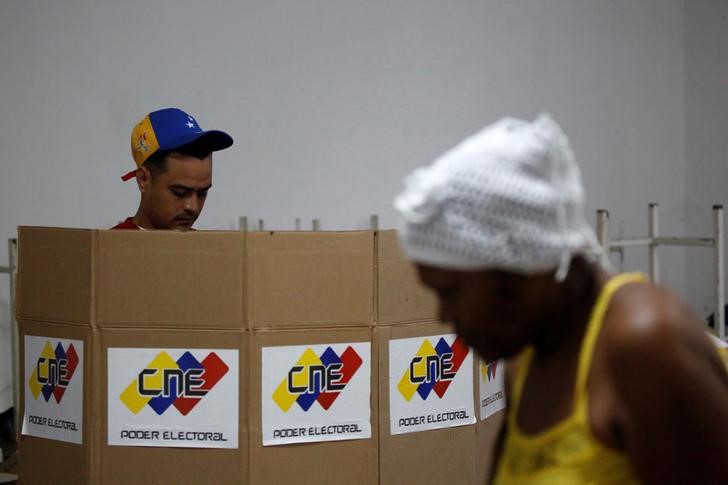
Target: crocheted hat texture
[509,197]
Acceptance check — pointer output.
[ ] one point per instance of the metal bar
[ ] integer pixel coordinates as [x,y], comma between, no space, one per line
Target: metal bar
[260,225]
[603,236]
[374,222]
[625,243]
[243,223]
[620,252]
[685,241]
[15,334]
[654,231]
[719,318]
[662,241]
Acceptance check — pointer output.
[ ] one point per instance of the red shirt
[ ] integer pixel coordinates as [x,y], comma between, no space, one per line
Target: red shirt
[128,223]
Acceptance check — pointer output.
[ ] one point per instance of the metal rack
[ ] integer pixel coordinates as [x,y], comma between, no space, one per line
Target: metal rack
[653,241]
[244,224]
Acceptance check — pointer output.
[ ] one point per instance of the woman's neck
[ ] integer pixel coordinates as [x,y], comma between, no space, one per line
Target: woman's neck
[563,327]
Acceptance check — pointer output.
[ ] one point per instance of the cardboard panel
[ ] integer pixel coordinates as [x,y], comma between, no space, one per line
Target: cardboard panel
[170,279]
[44,460]
[55,275]
[351,462]
[436,456]
[401,296]
[138,464]
[311,279]
[487,432]
[207,291]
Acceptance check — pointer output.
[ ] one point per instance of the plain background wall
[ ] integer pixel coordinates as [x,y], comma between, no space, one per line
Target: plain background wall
[706,122]
[332,102]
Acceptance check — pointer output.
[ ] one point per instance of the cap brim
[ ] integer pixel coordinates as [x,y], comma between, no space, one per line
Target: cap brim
[213,140]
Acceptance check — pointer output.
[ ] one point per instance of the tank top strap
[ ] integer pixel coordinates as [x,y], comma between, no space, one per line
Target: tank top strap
[594,326]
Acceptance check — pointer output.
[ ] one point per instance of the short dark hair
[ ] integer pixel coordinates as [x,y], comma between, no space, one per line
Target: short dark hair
[157,162]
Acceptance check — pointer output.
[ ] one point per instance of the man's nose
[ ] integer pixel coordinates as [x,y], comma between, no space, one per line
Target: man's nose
[192,204]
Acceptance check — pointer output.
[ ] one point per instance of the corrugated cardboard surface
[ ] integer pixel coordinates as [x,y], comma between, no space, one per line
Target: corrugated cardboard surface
[463,454]
[133,464]
[310,279]
[401,296]
[171,279]
[341,462]
[45,461]
[244,291]
[436,456]
[486,432]
[54,275]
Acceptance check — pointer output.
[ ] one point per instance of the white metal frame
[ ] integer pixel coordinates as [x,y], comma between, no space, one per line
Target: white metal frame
[315,223]
[653,241]
[11,270]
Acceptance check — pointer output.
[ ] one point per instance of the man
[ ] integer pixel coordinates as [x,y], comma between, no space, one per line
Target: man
[609,379]
[173,156]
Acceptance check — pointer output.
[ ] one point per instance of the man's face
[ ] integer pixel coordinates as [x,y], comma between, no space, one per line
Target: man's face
[494,312]
[174,198]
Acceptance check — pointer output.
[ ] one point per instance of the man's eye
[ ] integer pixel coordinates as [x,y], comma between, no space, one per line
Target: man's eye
[179,193]
[202,194]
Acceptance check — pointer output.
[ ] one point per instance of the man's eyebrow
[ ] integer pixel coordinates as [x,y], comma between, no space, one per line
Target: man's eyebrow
[186,188]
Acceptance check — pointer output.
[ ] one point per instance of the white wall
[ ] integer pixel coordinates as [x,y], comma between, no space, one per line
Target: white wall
[706,120]
[332,102]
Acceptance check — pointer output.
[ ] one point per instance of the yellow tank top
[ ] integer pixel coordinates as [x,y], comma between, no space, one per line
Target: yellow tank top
[568,452]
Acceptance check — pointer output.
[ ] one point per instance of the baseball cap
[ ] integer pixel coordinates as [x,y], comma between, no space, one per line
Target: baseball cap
[168,129]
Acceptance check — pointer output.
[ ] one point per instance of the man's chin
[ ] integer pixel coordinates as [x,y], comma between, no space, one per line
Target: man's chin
[182,224]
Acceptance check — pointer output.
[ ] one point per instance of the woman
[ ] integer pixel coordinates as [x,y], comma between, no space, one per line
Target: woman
[610,379]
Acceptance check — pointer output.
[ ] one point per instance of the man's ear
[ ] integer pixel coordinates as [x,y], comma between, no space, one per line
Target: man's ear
[143,178]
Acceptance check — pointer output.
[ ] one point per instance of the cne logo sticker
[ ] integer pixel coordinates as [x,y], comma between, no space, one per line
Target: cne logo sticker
[488,370]
[53,377]
[166,382]
[201,384]
[492,397]
[432,369]
[53,371]
[317,379]
[430,383]
[315,392]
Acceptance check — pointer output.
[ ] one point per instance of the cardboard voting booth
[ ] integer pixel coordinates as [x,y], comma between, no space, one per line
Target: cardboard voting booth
[241,357]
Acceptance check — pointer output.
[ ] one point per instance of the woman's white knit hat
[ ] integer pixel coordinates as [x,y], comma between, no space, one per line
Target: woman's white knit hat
[509,197]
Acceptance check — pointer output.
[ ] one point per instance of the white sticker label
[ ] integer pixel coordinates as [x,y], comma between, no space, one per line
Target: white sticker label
[181,398]
[492,397]
[430,383]
[316,393]
[53,389]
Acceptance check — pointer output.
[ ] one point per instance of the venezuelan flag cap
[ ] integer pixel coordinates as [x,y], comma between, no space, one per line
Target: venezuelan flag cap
[168,129]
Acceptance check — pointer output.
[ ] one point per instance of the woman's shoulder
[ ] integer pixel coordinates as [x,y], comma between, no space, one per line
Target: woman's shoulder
[651,332]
